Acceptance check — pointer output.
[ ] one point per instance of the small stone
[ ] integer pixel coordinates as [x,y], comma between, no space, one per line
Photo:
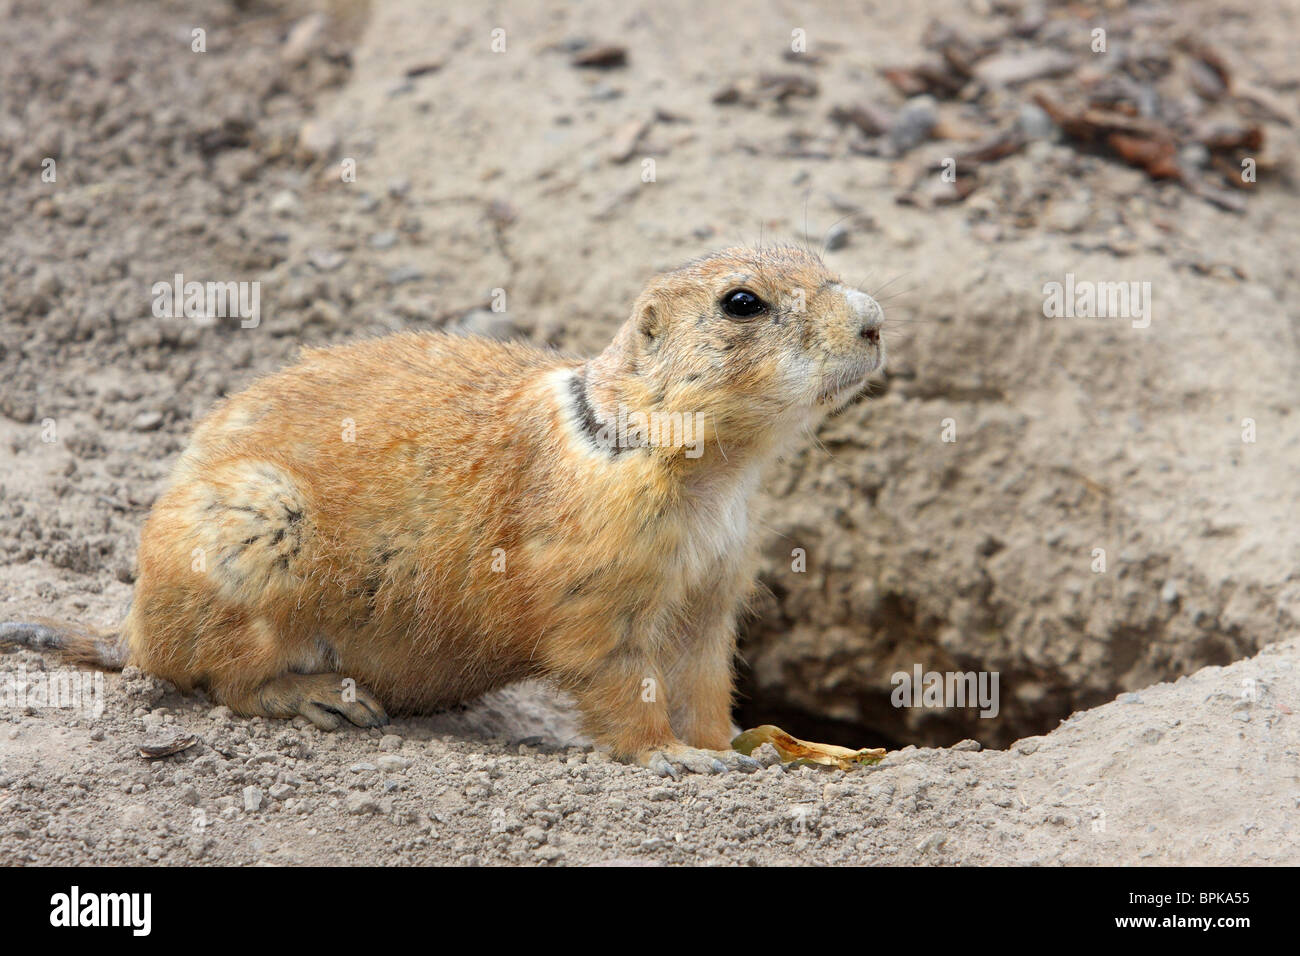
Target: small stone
[393,763]
[360,804]
[1069,216]
[968,746]
[548,854]
[604,57]
[932,842]
[914,123]
[1034,123]
[188,796]
[47,283]
[326,260]
[283,202]
[1169,593]
[403,274]
[837,237]
[317,138]
[147,421]
[383,240]
[304,37]
[1193,156]
[390,743]
[154,852]
[252,799]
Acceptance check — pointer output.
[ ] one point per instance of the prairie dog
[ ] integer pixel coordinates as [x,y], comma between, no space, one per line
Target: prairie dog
[405,523]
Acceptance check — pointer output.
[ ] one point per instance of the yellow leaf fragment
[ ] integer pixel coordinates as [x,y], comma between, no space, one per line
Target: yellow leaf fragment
[793,750]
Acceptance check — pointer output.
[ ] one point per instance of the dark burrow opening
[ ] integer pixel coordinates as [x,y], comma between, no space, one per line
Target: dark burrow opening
[884,725]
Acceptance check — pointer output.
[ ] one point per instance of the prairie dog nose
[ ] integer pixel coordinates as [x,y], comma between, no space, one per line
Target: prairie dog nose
[868,312]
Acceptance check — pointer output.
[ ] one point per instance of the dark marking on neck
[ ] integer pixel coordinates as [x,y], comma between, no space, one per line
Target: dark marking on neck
[588,423]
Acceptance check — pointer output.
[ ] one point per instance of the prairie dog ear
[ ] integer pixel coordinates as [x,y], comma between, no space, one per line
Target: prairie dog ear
[649,324]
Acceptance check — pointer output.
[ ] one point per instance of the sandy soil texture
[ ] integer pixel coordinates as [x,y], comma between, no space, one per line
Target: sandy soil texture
[526,171]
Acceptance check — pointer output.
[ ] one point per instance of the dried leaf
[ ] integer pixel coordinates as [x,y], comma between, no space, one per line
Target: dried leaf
[867,118]
[794,750]
[1010,69]
[154,749]
[1159,157]
[601,57]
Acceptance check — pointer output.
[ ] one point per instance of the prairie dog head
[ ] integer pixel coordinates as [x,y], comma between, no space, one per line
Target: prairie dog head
[755,343]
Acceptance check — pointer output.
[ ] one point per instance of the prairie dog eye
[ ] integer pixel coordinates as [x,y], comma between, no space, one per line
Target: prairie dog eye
[742,304]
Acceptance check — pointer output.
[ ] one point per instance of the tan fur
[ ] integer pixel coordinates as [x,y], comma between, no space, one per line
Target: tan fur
[283,559]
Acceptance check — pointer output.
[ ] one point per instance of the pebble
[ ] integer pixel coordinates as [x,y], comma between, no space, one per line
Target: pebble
[1034,123]
[326,260]
[837,237]
[1068,216]
[392,763]
[390,743]
[1193,156]
[404,274]
[914,123]
[359,804]
[932,842]
[252,799]
[317,138]
[147,421]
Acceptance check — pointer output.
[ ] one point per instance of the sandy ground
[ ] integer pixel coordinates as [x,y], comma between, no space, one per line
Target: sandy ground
[478,171]
[1205,770]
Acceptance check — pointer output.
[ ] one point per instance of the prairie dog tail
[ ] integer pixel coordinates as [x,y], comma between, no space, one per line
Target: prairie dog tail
[76,645]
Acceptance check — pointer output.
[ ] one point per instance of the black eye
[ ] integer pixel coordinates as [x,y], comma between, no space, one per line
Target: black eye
[742,304]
